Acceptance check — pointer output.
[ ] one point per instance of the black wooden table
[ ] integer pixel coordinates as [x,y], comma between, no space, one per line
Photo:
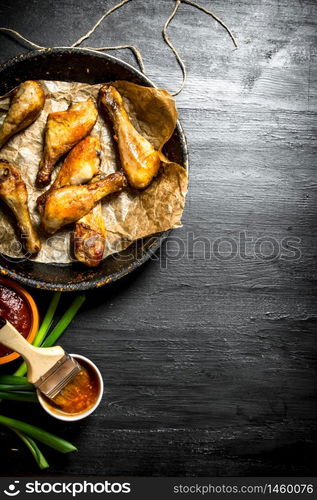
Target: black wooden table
[208,351]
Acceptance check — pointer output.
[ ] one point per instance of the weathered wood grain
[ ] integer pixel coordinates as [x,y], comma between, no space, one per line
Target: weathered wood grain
[209,363]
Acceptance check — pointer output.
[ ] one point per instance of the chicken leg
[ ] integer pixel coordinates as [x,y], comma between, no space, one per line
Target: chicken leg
[140,161]
[14,194]
[79,167]
[89,236]
[63,130]
[26,104]
[70,203]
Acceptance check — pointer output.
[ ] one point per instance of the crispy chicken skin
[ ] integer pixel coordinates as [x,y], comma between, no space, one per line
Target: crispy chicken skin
[79,167]
[63,130]
[26,104]
[70,203]
[14,193]
[89,237]
[140,161]
[81,164]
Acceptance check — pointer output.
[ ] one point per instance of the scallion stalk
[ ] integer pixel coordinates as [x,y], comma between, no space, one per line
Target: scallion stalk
[64,321]
[14,380]
[34,449]
[13,388]
[27,397]
[46,323]
[44,437]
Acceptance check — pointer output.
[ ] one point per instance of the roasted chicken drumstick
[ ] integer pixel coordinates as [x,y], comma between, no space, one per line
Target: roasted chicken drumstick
[90,237]
[70,203]
[140,161]
[26,104]
[13,192]
[80,165]
[63,130]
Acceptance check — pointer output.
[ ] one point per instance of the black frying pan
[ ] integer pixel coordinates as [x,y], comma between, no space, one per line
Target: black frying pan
[81,66]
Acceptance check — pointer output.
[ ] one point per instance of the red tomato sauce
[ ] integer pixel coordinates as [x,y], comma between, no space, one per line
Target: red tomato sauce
[14,309]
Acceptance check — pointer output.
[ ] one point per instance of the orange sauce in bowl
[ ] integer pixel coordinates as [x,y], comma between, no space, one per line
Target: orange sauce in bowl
[79,395]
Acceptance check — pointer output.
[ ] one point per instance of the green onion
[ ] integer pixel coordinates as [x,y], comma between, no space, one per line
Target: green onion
[34,449]
[13,379]
[28,397]
[16,387]
[44,437]
[46,323]
[11,387]
[13,383]
[64,321]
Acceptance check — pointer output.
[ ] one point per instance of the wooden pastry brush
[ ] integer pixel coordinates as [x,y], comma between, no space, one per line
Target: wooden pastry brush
[54,372]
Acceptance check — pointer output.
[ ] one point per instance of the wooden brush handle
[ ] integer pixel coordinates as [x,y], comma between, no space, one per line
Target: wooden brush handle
[38,359]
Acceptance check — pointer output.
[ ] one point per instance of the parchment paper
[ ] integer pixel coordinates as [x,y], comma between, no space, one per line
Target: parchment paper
[129,215]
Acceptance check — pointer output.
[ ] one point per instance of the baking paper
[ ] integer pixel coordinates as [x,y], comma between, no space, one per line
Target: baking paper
[130,214]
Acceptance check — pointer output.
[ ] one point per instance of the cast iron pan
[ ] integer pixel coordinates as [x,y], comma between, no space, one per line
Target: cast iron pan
[81,66]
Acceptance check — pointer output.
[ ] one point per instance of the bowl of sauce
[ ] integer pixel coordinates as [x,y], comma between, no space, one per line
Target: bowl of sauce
[18,307]
[80,398]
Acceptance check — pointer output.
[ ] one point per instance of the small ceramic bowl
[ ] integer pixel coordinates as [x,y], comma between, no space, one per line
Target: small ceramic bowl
[73,417]
[34,314]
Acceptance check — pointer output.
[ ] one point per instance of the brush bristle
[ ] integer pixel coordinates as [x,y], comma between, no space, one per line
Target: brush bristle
[70,392]
[58,377]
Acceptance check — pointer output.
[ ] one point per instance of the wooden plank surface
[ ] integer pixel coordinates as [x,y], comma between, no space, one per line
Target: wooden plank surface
[209,361]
